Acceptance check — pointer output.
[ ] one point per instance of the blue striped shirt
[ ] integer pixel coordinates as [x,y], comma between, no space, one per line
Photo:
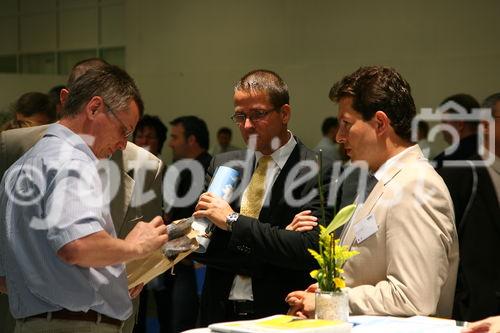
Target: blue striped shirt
[51,196]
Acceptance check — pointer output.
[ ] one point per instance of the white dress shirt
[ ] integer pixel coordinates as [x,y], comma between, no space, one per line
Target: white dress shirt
[242,285]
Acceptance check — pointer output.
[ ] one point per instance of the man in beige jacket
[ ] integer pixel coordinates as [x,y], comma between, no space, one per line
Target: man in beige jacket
[404,230]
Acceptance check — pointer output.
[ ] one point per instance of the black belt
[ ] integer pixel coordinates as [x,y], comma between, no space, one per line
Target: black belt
[91,315]
[242,308]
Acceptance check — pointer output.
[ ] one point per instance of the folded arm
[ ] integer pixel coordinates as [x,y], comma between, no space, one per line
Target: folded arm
[274,244]
[268,243]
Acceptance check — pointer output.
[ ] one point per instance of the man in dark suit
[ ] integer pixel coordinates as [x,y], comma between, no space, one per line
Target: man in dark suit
[465,130]
[475,193]
[252,261]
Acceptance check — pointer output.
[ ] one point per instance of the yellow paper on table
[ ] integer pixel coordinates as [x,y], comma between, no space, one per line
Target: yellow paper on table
[283,323]
[146,269]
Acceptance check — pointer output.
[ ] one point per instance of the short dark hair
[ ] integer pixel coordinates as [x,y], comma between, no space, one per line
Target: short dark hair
[468,103]
[194,126]
[490,101]
[225,130]
[112,83]
[32,103]
[263,80]
[55,93]
[83,66]
[155,123]
[328,123]
[377,88]
[465,100]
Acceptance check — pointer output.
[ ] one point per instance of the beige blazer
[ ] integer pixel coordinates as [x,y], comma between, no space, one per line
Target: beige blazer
[141,175]
[409,265]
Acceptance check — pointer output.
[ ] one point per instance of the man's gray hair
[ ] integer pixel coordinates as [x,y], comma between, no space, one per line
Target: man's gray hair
[111,83]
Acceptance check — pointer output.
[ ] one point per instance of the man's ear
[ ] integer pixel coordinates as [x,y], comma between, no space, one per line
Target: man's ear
[92,107]
[63,96]
[286,112]
[382,122]
[191,140]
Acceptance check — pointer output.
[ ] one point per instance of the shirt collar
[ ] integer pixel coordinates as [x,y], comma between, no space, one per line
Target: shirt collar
[280,155]
[71,138]
[387,164]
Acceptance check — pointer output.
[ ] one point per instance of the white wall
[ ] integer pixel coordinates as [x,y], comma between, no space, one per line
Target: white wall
[12,86]
[186,55]
[31,27]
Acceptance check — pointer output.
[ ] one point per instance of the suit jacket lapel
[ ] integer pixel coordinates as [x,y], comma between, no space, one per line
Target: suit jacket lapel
[348,237]
[411,155]
[121,202]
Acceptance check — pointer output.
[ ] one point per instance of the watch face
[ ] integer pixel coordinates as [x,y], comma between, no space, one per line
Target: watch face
[231,218]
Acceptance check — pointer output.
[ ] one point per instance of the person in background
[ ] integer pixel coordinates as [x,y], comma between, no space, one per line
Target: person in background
[13,124]
[475,190]
[178,301]
[150,134]
[189,139]
[327,143]
[404,231]
[32,109]
[466,129]
[224,136]
[55,97]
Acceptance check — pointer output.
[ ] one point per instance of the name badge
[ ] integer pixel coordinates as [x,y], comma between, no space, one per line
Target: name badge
[365,228]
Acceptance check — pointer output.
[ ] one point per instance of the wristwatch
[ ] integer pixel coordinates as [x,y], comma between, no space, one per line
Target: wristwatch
[230,219]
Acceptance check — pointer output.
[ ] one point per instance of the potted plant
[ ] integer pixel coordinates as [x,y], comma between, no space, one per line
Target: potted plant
[331,300]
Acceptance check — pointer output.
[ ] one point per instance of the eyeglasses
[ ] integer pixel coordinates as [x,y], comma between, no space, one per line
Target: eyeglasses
[125,131]
[254,116]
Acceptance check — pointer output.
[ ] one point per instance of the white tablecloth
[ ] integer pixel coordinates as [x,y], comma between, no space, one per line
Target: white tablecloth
[376,324]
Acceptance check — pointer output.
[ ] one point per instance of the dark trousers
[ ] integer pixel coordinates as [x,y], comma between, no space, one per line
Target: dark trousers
[236,310]
[176,301]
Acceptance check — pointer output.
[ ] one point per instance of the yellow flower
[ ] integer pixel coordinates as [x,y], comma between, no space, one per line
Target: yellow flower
[331,256]
[339,283]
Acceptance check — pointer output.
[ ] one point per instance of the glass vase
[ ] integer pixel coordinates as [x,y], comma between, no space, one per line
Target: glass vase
[332,305]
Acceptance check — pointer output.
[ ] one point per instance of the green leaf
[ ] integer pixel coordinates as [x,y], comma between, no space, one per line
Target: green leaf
[341,218]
